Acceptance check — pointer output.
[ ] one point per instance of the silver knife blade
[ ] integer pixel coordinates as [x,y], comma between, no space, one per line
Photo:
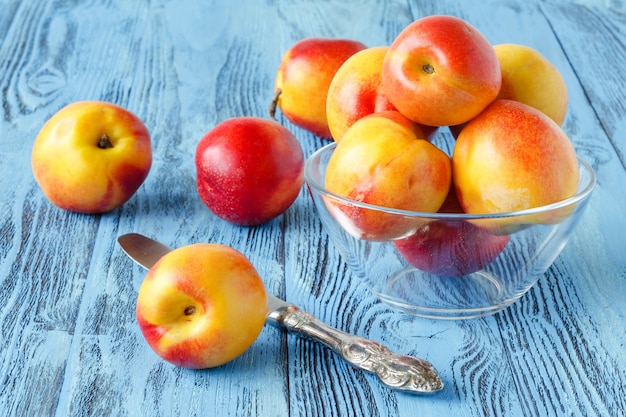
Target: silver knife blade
[400,372]
[143,250]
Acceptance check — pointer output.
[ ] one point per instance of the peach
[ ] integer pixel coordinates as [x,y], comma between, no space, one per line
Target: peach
[513,157]
[91,156]
[303,78]
[528,77]
[441,71]
[201,305]
[384,160]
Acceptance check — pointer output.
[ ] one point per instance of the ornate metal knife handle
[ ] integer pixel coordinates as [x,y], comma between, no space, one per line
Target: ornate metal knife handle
[400,372]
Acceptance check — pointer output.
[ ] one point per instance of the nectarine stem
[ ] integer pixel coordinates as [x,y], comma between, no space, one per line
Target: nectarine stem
[274,103]
[428,69]
[190,311]
[104,142]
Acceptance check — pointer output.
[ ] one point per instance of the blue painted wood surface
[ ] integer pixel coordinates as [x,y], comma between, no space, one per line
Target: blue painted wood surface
[69,344]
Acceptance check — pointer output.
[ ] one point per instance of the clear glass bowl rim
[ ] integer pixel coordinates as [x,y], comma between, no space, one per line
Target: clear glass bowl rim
[580,195]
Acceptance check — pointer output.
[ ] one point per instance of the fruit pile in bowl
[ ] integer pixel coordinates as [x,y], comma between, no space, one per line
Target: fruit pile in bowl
[461,230]
[448,265]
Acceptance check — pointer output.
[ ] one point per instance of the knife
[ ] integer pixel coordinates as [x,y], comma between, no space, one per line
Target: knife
[399,372]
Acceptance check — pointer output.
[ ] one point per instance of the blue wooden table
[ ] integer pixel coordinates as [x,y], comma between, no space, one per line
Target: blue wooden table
[69,343]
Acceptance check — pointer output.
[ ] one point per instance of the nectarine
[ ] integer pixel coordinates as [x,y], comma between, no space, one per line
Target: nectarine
[201,305]
[249,170]
[384,160]
[91,156]
[528,77]
[441,71]
[451,247]
[513,157]
[303,77]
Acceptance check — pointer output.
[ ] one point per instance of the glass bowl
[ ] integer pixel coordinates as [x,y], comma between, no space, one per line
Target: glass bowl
[445,265]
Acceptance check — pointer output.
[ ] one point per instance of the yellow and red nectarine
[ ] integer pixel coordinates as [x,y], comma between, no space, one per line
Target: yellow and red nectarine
[91,156]
[528,77]
[385,160]
[201,305]
[303,77]
[513,157]
[441,71]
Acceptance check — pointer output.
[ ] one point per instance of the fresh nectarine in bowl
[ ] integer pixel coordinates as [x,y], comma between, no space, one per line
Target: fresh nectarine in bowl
[446,264]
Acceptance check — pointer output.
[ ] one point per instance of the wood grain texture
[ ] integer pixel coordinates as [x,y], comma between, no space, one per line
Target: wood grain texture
[69,345]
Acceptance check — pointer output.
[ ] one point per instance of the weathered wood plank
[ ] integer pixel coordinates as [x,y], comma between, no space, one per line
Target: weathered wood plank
[68,340]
